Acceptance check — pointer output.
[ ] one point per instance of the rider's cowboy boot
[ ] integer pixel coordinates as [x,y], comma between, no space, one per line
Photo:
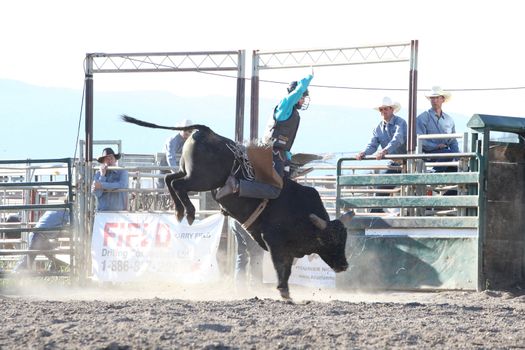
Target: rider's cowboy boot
[231,186]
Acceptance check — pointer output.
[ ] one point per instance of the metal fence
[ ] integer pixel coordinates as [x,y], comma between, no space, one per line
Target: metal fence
[29,188]
[342,186]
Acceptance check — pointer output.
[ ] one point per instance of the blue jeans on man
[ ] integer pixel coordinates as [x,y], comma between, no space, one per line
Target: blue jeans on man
[249,260]
[40,241]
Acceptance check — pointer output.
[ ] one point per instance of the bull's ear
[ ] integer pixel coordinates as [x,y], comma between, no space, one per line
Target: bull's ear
[346,217]
[318,222]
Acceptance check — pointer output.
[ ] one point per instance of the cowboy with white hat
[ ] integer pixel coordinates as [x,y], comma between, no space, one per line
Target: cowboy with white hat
[185,122]
[387,102]
[390,133]
[437,91]
[435,121]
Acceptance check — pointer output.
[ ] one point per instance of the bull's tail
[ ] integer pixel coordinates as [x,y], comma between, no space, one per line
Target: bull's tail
[132,120]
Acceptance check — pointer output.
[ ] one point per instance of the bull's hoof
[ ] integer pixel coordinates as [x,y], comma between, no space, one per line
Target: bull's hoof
[190,218]
[180,216]
[285,293]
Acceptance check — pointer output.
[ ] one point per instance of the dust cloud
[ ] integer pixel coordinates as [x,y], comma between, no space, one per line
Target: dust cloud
[54,315]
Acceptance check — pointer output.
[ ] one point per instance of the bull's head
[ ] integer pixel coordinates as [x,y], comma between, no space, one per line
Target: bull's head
[333,240]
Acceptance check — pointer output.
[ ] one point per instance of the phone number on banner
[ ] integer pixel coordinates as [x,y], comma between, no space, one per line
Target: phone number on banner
[120,265]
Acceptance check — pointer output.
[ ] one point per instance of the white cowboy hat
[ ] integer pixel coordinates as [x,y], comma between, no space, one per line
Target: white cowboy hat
[387,102]
[185,122]
[438,91]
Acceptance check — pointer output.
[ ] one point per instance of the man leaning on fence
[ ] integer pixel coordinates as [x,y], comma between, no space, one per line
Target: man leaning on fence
[107,182]
[391,135]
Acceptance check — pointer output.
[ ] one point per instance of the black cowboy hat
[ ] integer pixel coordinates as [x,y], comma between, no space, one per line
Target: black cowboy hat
[107,152]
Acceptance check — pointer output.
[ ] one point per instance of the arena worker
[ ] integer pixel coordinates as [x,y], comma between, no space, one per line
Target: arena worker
[249,258]
[106,182]
[391,135]
[173,150]
[45,240]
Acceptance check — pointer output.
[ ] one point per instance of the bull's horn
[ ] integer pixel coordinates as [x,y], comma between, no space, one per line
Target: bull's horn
[346,217]
[318,222]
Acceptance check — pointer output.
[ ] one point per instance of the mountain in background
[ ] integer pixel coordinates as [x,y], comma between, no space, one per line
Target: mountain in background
[42,122]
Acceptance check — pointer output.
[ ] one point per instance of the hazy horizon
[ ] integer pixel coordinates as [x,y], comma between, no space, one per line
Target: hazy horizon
[42,122]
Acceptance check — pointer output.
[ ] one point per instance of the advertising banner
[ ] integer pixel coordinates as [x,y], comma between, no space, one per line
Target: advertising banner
[146,246]
[308,271]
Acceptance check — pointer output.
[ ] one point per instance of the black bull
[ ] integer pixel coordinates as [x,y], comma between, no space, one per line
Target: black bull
[291,226]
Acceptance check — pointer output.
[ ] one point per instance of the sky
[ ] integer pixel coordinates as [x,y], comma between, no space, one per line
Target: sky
[463,45]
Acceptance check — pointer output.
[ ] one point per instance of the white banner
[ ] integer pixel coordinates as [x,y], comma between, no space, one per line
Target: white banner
[145,246]
[309,271]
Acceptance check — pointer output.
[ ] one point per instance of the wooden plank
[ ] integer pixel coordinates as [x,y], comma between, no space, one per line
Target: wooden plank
[409,179]
[409,202]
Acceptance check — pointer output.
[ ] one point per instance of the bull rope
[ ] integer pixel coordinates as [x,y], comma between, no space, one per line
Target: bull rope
[242,163]
[260,208]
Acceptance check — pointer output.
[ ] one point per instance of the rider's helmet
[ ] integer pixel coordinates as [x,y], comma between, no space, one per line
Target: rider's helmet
[304,105]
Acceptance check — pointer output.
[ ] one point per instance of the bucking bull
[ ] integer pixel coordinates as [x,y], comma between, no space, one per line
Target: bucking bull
[291,226]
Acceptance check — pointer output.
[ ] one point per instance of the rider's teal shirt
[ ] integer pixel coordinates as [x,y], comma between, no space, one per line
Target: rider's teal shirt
[284,109]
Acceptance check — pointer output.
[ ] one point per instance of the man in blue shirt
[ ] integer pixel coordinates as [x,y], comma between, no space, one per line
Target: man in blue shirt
[41,240]
[174,144]
[106,181]
[281,134]
[435,121]
[173,150]
[391,135]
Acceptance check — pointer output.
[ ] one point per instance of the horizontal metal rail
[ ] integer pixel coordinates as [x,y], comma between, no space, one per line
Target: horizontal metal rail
[412,156]
[385,53]
[409,179]
[386,222]
[35,229]
[33,185]
[165,61]
[34,206]
[440,136]
[409,202]
[35,252]
[26,161]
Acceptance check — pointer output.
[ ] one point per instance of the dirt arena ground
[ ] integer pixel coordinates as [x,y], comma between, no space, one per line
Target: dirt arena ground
[38,316]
